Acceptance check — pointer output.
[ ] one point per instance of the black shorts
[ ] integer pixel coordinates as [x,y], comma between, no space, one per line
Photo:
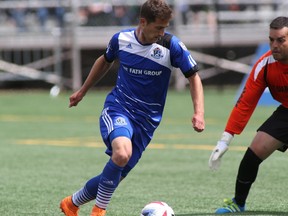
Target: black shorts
[277,126]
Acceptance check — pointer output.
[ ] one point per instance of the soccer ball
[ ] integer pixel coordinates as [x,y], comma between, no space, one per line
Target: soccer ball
[54,91]
[157,208]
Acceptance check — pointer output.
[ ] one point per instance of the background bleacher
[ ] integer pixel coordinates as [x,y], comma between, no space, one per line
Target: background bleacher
[54,42]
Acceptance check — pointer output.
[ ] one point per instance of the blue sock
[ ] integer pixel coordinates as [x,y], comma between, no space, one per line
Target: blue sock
[92,185]
[109,181]
[87,193]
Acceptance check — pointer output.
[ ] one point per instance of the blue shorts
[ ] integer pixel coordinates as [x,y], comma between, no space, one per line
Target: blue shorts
[113,124]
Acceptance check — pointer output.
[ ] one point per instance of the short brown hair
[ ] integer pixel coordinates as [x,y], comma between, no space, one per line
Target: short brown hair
[279,23]
[153,9]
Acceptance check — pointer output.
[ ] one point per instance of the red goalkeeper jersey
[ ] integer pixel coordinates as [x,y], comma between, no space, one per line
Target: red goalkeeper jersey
[267,72]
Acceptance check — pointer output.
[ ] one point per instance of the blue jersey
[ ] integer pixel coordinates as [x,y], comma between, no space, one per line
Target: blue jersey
[144,74]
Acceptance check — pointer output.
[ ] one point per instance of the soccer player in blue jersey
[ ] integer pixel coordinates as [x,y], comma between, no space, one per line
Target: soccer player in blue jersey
[133,109]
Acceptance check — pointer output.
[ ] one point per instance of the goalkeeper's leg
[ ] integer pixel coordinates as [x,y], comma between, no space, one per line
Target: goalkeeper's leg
[247,174]
[262,146]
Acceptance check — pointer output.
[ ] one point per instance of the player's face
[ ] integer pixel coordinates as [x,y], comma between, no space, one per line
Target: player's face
[279,44]
[152,32]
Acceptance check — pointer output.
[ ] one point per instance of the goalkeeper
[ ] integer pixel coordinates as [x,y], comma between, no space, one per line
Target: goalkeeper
[271,70]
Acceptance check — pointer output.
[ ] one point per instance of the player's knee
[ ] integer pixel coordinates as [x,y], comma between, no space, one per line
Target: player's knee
[121,158]
[121,150]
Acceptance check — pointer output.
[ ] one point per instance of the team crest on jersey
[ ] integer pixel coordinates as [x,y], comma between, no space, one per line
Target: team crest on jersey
[120,121]
[157,53]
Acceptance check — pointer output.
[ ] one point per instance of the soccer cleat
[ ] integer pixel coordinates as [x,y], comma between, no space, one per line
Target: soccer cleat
[96,211]
[230,206]
[68,208]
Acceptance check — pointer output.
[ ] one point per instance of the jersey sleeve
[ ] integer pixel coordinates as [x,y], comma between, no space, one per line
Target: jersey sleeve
[112,49]
[181,58]
[247,102]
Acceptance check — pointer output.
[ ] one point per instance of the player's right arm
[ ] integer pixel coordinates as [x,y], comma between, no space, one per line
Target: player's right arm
[98,70]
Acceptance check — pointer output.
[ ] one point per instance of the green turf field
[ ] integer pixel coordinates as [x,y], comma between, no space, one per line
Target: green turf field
[48,151]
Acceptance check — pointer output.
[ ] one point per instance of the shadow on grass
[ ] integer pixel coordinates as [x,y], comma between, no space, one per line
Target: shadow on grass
[240,214]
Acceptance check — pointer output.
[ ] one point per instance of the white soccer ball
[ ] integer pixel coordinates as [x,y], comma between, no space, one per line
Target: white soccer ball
[157,208]
[54,91]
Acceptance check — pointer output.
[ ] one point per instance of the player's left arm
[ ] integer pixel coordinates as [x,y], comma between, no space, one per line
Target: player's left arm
[181,58]
[197,95]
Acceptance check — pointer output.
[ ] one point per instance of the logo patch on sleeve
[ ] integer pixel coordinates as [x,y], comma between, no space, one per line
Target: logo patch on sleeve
[120,121]
[183,45]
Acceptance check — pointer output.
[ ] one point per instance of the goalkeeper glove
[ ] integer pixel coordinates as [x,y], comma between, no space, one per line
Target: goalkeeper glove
[219,150]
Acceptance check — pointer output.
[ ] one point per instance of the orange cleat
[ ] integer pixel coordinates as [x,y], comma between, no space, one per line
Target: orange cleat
[68,208]
[96,211]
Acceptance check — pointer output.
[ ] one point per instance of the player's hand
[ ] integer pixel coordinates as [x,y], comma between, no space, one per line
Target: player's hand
[219,150]
[198,122]
[75,98]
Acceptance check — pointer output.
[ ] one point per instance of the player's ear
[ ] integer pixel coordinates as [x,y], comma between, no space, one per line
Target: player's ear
[142,22]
